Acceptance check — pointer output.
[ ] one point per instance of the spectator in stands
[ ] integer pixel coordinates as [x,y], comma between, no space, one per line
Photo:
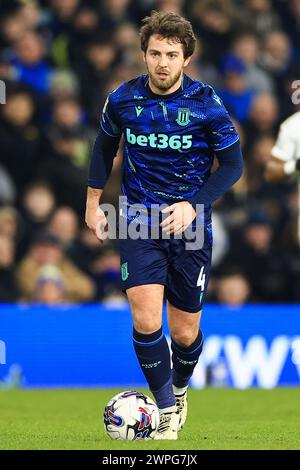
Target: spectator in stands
[259,16]
[68,115]
[64,10]
[37,205]
[236,95]
[12,28]
[64,225]
[256,163]
[8,287]
[291,12]
[201,69]
[263,117]
[106,272]
[84,250]
[232,288]
[215,21]
[277,53]
[246,47]
[7,188]
[30,14]
[64,85]
[99,58]
[46,249]
[9,222]
[261,262]
[84,24]
[61,171]
[126,40]
[18,130]
[49,288]
[28,63]
[114,13]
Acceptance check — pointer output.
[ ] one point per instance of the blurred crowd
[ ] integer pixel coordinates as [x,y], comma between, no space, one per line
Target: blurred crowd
[59,59]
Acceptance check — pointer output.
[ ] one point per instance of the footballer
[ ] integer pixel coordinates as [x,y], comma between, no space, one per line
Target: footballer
[173,127]
[285,155]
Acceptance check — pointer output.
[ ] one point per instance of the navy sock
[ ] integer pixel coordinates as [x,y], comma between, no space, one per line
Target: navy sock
[185,360]
[154,357]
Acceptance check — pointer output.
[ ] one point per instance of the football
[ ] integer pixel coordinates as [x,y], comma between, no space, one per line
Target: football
[131,416]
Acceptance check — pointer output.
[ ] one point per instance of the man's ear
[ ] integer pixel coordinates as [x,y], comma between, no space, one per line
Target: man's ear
[187,61]
[144,56]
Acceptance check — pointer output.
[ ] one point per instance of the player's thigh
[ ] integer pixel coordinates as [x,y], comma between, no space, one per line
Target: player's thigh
[143,262]
[146,303]
[183,325]
[143,277]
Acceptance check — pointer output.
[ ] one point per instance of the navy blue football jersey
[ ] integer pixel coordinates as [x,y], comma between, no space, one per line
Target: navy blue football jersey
[169,141]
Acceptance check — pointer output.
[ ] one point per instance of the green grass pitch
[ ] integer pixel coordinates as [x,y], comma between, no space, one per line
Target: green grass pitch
[218,419]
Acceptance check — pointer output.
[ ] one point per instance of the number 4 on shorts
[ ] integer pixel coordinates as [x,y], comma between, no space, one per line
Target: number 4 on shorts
[201,279]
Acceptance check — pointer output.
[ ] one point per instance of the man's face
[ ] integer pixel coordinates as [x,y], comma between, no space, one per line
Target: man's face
[165,62]
[19,109]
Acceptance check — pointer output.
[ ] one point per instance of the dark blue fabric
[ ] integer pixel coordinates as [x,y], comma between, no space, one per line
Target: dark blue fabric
[153,355]
[104,150]
[185,360]
[168,262]
[229,171]
[169,141]
[147,340]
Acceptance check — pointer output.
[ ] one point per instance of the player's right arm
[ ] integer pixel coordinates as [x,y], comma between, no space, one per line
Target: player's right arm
[104,150]
[283,162]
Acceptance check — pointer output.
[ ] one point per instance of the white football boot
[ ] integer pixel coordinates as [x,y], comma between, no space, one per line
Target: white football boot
[181,404]
[168,424]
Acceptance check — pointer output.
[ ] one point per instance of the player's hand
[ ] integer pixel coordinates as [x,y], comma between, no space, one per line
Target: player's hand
[181,216]
[97,222]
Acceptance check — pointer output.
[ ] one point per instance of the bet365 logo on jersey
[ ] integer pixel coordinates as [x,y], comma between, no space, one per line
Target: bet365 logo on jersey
[160,141]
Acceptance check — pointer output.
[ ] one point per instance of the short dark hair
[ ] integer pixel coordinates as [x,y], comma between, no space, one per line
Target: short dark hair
[168,25]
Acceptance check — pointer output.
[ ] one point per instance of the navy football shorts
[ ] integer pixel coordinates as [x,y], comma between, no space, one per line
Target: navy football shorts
[184,273]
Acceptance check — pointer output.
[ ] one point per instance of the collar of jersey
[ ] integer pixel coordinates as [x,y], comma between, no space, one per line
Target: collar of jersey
[168,96]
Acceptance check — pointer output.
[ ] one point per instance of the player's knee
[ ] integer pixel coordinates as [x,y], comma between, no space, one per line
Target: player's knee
[184,338]
[146,326]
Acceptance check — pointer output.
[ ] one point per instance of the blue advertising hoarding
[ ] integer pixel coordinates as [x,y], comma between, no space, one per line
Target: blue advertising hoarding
[90,345]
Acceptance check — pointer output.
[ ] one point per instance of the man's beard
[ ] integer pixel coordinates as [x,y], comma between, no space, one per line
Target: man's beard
[164,85]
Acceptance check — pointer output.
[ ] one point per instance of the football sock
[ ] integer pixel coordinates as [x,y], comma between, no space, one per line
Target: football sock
[185,360]
[153,354]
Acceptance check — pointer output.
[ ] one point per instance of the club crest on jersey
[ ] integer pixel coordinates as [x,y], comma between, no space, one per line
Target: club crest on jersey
[183,117]
[124,271]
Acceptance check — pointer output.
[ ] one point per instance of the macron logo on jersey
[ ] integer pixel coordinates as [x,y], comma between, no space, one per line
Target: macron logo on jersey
[160,141]
[138,110]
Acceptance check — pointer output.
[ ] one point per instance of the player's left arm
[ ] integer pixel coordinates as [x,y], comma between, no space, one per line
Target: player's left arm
[224,140]
[229,171]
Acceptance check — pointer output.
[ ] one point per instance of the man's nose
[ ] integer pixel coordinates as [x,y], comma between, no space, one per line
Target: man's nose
[163,62]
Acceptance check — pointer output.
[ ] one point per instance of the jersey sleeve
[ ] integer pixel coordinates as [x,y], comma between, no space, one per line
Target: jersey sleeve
[284,148]
[221,132]
[109,120]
